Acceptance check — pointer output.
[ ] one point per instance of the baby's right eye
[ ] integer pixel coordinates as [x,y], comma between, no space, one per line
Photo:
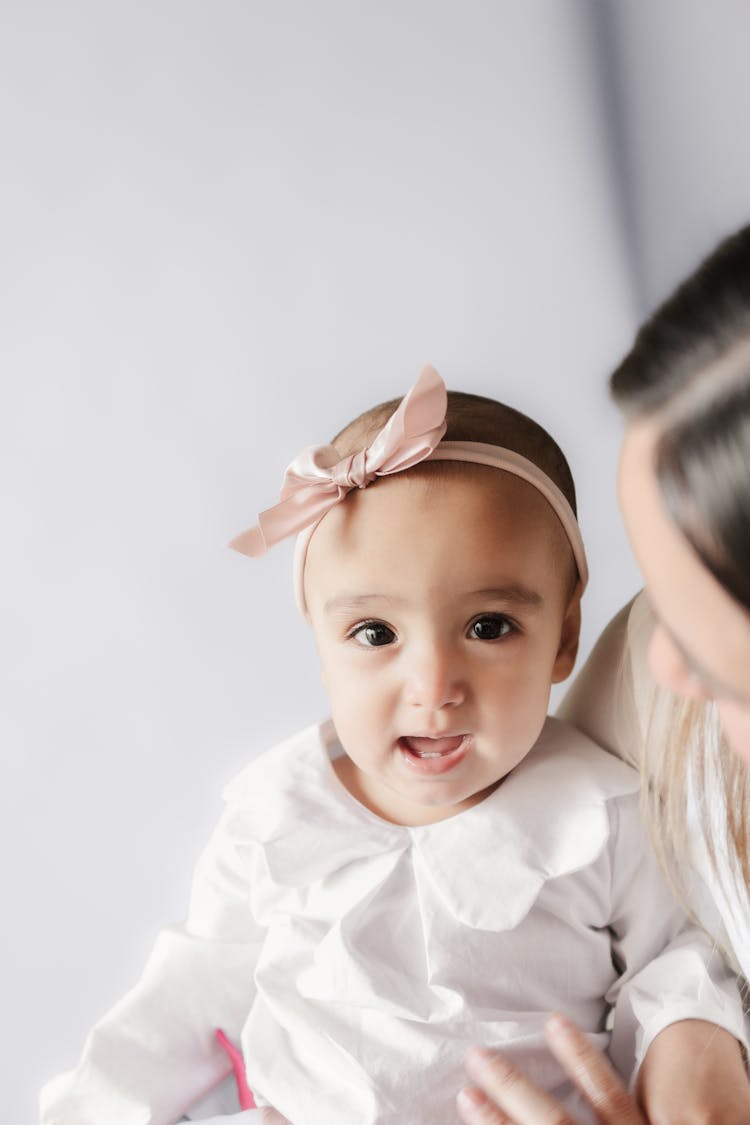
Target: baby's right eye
[373,634]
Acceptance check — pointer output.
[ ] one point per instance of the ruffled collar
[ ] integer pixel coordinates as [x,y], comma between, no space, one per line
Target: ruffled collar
[488,863]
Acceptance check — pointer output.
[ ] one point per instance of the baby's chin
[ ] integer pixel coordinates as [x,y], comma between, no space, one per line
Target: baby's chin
[431,803]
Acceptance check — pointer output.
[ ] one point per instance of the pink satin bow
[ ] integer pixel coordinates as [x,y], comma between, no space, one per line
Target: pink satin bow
[319,478]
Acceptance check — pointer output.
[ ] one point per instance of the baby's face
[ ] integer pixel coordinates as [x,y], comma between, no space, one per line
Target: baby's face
[442,615]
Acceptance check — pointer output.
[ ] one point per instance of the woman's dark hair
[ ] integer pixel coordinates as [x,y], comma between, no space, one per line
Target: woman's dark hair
[689,369]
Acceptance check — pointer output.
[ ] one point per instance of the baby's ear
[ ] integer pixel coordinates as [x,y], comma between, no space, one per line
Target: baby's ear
[569,637]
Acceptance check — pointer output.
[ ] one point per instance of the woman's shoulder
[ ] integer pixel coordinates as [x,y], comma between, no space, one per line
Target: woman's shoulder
[612,695]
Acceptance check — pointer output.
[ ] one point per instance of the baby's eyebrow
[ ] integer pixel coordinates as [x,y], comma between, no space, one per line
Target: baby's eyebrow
[514,593]
[356,602]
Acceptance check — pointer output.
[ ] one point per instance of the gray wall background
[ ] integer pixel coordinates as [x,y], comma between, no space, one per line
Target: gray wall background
[226,228]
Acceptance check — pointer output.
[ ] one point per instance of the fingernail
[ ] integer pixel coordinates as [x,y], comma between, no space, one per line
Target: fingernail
[557,1024]
[470,1098]
[480,1057]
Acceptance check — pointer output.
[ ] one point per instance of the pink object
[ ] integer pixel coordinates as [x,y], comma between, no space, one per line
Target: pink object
[247,1101]
[318,478]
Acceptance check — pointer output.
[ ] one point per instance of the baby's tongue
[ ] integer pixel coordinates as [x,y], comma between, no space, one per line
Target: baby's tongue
[434,746]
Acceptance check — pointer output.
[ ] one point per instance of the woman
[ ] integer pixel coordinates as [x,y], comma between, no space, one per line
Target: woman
[684,485]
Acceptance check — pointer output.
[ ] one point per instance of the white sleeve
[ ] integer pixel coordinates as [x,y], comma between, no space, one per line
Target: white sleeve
[154,1054]
[670,969]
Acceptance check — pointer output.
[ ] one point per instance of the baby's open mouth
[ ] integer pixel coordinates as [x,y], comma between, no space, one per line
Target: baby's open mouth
[430,757]
[423,747]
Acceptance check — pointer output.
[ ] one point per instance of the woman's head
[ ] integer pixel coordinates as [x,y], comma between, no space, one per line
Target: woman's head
[685,481]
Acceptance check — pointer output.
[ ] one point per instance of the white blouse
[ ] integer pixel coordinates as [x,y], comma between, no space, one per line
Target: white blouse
[614,700]
[356,960]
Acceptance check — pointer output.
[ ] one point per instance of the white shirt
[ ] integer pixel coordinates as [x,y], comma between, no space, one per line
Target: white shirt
[356,960]
[615,701]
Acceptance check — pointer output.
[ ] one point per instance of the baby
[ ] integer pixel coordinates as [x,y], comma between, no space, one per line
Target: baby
[438,864]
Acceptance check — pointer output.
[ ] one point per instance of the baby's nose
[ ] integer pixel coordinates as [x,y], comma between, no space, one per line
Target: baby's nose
[435,679]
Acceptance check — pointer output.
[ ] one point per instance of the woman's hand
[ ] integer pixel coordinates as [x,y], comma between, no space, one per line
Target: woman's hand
[503,1095]
[693,1074]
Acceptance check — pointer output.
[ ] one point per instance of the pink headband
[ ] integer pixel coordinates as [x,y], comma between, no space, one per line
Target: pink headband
[319,477]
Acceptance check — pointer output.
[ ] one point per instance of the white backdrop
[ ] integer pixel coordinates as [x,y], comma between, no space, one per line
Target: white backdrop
[226,228]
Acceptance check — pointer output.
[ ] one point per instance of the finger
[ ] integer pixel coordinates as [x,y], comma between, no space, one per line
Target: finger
[592,1074]
[514,1095]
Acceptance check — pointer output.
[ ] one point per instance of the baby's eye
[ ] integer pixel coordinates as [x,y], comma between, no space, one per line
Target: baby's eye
[491,627]
[373,634]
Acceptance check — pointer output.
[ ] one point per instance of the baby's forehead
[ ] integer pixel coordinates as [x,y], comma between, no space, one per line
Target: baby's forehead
[462,524]
[424,485]
[480,501]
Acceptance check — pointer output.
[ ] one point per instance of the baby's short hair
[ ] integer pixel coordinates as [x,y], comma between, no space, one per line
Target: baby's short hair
[473,418]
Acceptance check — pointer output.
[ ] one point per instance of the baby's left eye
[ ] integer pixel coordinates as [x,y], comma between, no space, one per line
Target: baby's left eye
[491,627]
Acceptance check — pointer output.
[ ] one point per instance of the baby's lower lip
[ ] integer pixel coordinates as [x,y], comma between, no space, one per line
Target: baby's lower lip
[434,755]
